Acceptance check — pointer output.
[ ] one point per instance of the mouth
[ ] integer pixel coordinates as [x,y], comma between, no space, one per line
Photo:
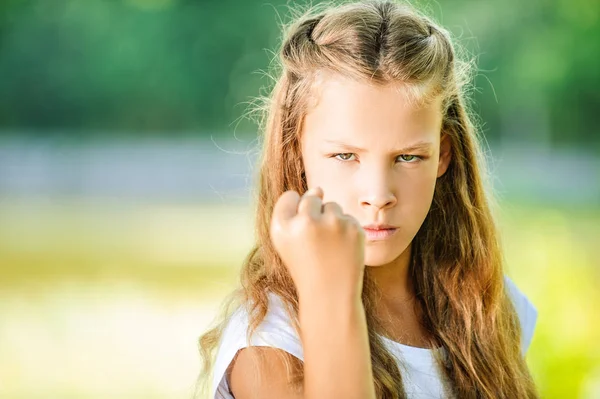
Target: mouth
[379,233]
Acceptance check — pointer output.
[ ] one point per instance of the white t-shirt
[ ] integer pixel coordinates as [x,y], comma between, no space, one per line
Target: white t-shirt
[419,372]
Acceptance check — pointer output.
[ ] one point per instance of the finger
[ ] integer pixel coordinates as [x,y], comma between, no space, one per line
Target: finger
[286,206]
[311,202]
[353,220]
[318,191]
[333,208]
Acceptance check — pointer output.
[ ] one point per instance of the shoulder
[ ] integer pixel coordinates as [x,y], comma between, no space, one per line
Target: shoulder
[267,372]
[526,311]
[276,331]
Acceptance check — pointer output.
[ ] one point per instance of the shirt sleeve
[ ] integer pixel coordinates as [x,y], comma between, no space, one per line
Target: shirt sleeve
[275,331]
[526,311]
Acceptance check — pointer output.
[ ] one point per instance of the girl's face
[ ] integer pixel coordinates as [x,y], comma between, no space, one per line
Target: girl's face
[377,156]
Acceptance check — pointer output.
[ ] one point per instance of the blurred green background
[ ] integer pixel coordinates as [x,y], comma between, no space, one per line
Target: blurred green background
[126,159]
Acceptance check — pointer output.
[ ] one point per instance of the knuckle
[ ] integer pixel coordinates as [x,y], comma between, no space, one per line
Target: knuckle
[353,225]
[305,223]
[289,196]
[276,227]
[335,223]
[333,207]
[290,193]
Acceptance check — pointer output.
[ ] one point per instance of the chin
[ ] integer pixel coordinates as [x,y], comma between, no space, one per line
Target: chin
[375,257]
[381,255]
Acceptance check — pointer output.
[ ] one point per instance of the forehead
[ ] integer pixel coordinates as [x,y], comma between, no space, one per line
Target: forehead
[345,108]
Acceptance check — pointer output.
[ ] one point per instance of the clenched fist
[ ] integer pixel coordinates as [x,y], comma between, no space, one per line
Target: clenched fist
[322,247]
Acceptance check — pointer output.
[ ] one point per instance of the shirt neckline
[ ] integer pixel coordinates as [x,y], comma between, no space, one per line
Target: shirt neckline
[415,350]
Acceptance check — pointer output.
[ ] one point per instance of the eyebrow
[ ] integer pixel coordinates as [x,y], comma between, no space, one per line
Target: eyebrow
[420,145]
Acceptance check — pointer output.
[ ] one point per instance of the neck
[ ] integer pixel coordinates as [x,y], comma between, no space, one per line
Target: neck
[399,313]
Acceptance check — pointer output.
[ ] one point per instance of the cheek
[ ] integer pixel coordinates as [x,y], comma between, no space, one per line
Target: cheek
[334,191]
[416,195]
[314,171]
[319,173]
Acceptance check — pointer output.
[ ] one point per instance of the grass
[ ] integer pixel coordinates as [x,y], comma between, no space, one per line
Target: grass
[107,300]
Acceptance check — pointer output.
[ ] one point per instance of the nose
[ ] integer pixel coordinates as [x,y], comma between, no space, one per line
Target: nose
[377,193]
[378,200]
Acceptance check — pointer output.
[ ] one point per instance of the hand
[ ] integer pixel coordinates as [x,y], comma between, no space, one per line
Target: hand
[322,247]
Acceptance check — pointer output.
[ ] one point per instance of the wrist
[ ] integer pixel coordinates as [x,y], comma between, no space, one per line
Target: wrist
[328,300]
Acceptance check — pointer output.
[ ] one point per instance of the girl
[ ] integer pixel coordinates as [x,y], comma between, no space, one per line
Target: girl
[385,279]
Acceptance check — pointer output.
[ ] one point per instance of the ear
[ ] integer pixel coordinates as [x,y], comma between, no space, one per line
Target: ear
[445,154]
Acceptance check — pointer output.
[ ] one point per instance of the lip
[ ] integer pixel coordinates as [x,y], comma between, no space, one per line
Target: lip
[379,232]
[380,226]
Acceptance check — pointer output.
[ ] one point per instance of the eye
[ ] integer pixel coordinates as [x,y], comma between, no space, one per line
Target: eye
[344,156]
[411,158]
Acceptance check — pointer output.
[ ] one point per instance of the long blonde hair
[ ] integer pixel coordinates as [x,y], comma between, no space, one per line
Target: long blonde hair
[456,261]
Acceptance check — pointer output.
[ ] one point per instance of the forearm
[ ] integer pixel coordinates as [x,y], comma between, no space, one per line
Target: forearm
[337,359]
